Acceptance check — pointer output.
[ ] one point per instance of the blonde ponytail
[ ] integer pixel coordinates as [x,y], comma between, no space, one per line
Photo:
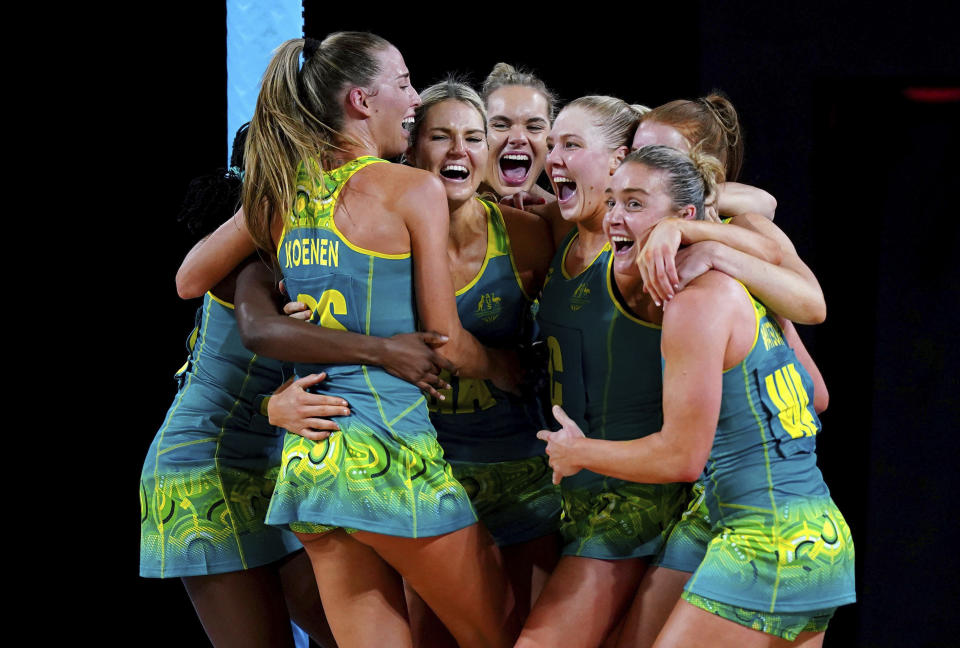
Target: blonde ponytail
[297,120]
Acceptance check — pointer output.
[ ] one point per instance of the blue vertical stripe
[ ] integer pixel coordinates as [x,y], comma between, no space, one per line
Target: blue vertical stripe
[254,29]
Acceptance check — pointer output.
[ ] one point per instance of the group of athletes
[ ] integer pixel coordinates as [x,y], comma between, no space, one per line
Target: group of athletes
[362,440]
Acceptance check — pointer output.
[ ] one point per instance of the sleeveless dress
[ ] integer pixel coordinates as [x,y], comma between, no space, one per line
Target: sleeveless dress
[489,436]
[780,557]
[605,373]
[384,470]
[210,471]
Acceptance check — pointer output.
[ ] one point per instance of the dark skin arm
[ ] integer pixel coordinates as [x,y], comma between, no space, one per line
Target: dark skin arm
[267,331]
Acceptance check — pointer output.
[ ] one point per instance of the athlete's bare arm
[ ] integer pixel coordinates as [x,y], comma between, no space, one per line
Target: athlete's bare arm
[821,397]
[708,327]
[214,257]
[265,330]
[421,202]
[790,288]
[736,199]
[657,258]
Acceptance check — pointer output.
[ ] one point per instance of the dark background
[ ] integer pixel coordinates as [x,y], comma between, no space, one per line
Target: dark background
[865,177]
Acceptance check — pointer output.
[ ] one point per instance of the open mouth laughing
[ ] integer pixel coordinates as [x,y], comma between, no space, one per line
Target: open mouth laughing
[566,188]
[455,172]
[621,244]
[514,168]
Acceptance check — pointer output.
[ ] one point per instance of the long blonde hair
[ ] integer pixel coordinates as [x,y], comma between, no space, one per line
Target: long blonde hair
[297,119]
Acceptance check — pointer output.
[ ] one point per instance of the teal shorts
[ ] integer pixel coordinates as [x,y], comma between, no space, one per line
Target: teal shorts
[611,519]
[687,543]
[516,500]
[797,560]
[782,624]
[365,479]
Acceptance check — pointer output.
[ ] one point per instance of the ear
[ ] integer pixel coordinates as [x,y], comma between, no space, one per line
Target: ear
[357,102]
[688,213]
[617,157]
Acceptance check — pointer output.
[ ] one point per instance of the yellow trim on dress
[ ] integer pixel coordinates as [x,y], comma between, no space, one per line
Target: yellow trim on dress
[509,252]
[288,224]
[491,252]
[616,302]
[220,301]
[563,258]
[756,326]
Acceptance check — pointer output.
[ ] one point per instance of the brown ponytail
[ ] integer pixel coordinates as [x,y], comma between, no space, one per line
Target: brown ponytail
[710,121]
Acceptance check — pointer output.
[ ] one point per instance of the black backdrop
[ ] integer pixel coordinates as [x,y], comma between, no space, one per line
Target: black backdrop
[863,176]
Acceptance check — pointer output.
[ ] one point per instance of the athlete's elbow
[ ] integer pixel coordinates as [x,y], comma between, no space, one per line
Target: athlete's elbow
[768,204]
[821,399]
[678,468]
[688,471]
[815,312]
[188,287]
[688,464]
[252,332]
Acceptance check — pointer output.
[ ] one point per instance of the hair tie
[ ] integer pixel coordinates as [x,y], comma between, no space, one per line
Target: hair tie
[727,128]
[310,46]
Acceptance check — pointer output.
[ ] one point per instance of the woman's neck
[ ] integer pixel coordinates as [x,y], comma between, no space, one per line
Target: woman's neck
[352,144]
[641,304]
[468,220]
[590,235]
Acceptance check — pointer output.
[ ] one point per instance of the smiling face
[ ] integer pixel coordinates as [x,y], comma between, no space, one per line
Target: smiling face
[651,133]
[579,164]
[518,123]
[392,101]
[636,200]
[452,145]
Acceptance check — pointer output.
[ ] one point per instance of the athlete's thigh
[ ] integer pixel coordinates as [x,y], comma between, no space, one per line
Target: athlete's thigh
[437,568]
[362,595]
[427,630]
[582,602]
[655,599]
[693,627]
[241,608]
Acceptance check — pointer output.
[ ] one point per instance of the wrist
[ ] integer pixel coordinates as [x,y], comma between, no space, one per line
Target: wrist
[680,226]
[580,448]
[716,255]
[375,352]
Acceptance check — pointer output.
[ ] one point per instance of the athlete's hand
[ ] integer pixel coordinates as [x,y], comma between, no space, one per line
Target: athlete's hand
[297,310]
[694,260]
[296,410]
[656,260]
[560,445]
[411,357]
[522,198]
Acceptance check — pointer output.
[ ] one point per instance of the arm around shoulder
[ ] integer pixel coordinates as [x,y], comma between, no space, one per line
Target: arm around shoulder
[214,257]
[423,206]
[737,199]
